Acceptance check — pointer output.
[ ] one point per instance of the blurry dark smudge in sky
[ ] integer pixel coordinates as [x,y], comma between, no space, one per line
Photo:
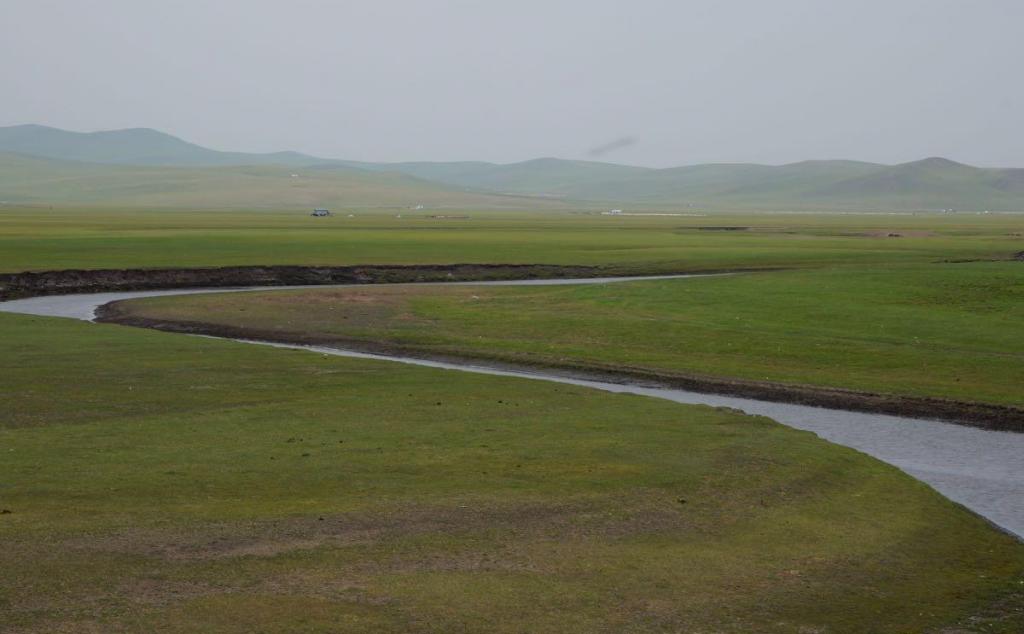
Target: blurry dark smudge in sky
[617,144]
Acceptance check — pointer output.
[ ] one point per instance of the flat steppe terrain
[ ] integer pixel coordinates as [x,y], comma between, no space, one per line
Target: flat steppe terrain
[938,330]
[152,481]
[95,238]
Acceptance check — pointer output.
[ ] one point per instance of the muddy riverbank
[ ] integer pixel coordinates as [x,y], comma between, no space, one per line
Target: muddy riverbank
[36,283]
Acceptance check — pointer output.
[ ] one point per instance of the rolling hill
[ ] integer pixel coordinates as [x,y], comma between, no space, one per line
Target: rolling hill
[536,177]
[33,180]
[142,166]
[135,146]
[929,184]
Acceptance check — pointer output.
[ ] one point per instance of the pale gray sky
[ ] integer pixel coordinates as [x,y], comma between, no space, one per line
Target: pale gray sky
[690,80]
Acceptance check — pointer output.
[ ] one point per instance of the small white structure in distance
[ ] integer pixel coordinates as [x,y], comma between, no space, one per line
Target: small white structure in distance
[613,212]
[320,212]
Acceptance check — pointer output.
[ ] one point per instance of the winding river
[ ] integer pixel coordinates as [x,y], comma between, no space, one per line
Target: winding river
[983,470]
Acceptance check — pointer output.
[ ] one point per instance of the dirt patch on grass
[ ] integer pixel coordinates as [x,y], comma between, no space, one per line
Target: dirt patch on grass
[164,592]
[899,233]
[354,552]
[1003,614]
[606,519]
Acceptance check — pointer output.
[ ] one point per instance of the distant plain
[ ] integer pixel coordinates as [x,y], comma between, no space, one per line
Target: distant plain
[45,238]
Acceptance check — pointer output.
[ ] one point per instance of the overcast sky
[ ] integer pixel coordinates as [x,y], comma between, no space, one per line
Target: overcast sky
[657,82]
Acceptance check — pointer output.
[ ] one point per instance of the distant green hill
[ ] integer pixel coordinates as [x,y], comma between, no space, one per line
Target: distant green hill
[929,184]
[544,176]
[137,146]
[452,173]
[33,180]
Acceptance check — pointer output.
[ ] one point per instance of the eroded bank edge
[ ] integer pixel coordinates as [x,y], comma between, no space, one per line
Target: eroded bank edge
[78,281]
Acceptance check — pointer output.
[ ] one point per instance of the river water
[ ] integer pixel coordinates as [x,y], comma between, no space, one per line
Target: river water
[983,470]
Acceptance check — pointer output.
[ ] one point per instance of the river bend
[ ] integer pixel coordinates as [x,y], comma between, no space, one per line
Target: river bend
[981,469]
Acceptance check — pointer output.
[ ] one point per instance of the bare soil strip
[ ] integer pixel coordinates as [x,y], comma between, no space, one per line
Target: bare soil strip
[36,283]
[68,282]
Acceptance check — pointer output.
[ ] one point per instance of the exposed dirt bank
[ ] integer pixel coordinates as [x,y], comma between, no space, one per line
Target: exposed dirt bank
[986,416]
[31,284]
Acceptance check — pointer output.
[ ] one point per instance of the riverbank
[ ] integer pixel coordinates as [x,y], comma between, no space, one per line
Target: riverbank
[904,342]
[36,283]
[68,282]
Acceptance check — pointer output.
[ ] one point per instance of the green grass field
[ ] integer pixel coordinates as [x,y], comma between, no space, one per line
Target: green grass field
[938,330]
[158,482]
[45,239]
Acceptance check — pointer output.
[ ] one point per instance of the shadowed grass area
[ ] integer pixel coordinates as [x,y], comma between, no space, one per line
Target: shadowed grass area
[936,330]
[159,482]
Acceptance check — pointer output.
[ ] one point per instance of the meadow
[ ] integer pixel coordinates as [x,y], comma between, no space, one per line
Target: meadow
[943,330]
[158,482]
[183,484]
[63,238]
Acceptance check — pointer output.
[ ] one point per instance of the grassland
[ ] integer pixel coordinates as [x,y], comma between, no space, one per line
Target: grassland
[49,239]
[183,484]
[938,330]
[44,182]
[157,482]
